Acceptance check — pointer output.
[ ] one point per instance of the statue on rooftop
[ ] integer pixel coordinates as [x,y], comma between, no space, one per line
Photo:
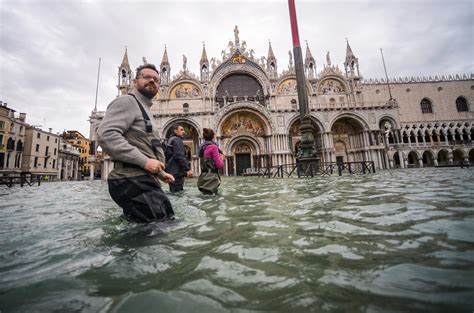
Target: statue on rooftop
[328,59]
[236,34]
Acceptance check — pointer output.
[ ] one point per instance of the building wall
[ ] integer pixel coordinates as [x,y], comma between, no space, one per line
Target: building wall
[83,146]
[4,130]
[68,161]
[12,140]
[46,155]
[443,95]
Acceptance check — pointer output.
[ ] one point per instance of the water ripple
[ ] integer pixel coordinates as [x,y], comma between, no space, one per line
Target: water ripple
[396,241]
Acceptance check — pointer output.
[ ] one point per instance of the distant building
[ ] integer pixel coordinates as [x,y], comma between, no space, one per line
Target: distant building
[83,145]
[12,140]
[68,161]
[418,122]
[4,128]
[40,155]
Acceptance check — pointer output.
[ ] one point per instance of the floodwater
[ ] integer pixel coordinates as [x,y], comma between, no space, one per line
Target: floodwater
[394,241]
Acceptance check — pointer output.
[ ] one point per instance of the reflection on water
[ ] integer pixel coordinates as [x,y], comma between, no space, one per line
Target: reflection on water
[396,241]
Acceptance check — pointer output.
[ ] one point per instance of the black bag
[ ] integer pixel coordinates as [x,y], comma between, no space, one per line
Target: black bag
[209,180]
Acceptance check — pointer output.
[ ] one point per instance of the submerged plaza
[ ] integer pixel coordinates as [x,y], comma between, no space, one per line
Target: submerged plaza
[397,240]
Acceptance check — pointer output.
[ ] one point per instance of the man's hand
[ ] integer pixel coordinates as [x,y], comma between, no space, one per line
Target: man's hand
[154,166]
[189,173]
[166,177]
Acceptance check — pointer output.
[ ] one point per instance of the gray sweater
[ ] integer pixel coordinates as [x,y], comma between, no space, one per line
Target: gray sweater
[123,114]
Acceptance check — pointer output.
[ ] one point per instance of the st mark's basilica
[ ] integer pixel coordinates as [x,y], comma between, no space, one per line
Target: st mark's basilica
[253,107]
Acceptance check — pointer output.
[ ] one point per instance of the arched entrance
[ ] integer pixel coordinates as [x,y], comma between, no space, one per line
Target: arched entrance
[242,151]
[412,159]
[295,137]
[396,160]
[243,136]
[458,156]
[347,135]
[443,157]
[428,159]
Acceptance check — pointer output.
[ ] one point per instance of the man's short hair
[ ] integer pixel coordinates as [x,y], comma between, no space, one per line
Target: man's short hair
[144,66]
[208,134]
[175,127]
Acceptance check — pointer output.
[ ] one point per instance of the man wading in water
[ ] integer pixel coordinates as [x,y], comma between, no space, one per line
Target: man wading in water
[131,138]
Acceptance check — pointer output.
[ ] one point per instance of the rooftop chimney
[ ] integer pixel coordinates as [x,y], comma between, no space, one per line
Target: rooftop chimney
[22,117]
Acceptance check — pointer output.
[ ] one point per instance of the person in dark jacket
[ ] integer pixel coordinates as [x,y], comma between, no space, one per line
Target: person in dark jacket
[176,162]
[128,134]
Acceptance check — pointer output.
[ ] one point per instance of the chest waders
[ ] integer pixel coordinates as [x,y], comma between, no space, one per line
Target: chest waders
[209,180]
[135,190]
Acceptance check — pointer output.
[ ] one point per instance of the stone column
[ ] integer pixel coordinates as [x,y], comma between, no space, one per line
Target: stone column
[91,171]
[401,157]
[77,167]
[60,164]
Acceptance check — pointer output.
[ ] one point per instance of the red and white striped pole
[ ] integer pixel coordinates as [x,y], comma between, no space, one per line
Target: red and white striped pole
[307,155]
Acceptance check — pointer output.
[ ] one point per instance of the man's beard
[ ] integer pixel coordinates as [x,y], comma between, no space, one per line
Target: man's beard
[148,92]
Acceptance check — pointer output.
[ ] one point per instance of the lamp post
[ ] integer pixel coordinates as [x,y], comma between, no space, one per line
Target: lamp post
[307,158]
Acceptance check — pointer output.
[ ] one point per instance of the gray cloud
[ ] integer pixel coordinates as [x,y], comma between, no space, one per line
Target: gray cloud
[49,49]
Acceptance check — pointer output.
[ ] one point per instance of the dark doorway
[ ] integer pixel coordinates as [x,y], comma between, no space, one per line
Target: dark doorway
[339,159]
[242,162]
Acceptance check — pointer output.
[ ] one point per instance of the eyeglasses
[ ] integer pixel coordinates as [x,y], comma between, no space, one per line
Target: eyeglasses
[149,77]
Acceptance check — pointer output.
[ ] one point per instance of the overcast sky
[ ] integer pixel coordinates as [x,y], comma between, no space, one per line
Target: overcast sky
[49,49]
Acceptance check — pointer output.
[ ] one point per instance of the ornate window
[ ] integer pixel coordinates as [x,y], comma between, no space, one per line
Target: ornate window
[426,106]
[238,87]
[461,104]
[185,107]
[11,144]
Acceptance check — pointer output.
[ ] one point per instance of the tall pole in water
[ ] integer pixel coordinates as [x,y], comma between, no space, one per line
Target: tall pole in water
[92,159]
[307,155]
[386,76]
[97,87]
